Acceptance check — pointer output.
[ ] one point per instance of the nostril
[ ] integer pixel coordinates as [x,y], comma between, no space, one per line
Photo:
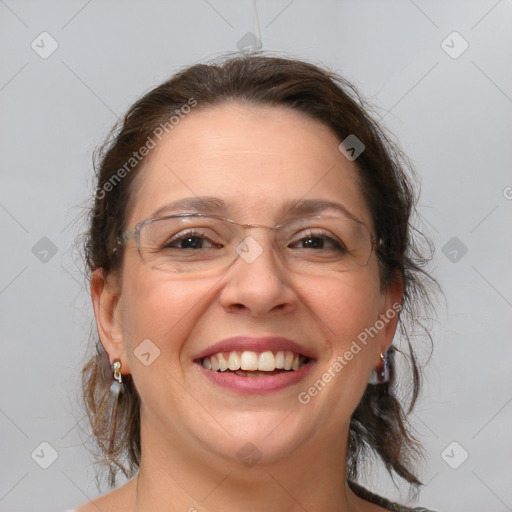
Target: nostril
[241,307]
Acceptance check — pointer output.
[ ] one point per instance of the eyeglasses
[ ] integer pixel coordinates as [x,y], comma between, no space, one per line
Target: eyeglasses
[197,244]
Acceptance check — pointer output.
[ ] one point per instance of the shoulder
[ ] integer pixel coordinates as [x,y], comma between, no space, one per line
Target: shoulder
[121,498]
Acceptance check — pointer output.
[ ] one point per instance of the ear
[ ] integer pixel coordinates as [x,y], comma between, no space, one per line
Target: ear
[105,293]
[391,298]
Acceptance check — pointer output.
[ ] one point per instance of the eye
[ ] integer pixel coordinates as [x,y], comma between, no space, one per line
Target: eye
[191,240]
[317,241]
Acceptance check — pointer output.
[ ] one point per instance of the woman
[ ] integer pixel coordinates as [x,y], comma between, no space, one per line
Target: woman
[250,262]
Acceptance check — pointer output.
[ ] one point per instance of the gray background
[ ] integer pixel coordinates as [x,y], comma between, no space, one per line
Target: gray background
[452,116]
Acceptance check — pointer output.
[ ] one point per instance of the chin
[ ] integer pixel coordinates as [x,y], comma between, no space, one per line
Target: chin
[261,438]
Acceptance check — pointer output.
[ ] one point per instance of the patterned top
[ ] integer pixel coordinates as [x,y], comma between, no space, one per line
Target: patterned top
[382,502]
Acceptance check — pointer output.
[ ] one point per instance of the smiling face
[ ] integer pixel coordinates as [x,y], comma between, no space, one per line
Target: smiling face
[254,165]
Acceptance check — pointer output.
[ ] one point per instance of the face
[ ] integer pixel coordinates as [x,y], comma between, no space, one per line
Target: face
[255,162]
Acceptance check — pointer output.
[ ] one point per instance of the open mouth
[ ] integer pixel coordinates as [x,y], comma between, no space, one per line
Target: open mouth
[249,363]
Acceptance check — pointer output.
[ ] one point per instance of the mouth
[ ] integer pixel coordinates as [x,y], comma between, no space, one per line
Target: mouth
[249,363]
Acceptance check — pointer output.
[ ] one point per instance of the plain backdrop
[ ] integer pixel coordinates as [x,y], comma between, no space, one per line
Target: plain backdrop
[440,76]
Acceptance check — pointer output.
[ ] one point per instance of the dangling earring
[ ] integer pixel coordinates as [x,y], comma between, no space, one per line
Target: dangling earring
[116,389]
[381,374]
[117,385]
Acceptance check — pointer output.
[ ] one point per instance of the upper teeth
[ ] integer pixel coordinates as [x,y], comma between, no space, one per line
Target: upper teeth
[248,360]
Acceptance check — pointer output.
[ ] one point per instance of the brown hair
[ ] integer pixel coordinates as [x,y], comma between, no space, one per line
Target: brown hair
[379,423]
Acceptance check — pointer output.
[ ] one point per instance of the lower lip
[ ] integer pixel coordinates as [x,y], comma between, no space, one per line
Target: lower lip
[256,385]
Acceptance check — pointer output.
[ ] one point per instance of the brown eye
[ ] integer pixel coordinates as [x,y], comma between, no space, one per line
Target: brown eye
[192,241]
[318,242]
[313,242]
[189,242]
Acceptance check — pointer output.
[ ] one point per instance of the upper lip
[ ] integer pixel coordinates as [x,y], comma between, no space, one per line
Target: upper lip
[263,344]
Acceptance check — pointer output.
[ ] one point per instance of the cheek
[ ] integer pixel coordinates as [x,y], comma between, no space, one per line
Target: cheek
[343,309]
[344,306]
[160,309]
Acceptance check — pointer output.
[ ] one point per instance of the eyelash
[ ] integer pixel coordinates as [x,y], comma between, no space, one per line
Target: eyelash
[192,233]
[324,236]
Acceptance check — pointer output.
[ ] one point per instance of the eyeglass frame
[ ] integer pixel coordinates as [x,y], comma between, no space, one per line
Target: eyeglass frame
[135,232]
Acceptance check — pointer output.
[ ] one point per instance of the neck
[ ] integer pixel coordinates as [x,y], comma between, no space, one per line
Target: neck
[178,478]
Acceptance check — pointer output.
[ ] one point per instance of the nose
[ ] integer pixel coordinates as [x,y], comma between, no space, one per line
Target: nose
[257,284]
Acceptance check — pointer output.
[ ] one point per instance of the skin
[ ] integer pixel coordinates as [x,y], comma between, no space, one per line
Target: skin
[255,159]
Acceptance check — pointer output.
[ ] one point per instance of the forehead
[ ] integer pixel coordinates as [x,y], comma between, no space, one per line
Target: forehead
[256,159]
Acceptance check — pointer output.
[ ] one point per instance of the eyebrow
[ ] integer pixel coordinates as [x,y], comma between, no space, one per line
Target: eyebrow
[205,204]
[314,206]
[215,205]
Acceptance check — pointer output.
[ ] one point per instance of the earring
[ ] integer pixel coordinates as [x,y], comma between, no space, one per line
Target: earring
[117,385]
[116,389]
[382,373]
